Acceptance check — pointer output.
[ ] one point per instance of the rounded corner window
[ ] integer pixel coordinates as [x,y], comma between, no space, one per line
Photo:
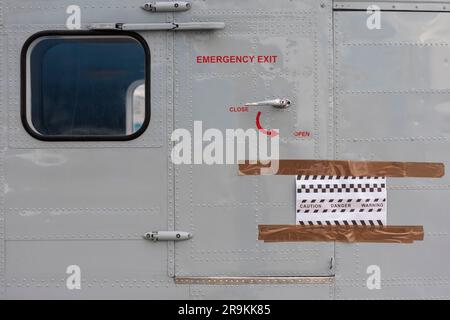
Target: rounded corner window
[85,86]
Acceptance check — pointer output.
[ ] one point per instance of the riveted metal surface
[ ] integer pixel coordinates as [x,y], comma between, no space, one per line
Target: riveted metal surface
[391,102]
[132,287]
[89,203]
[81,223]
[74,178]
[32,12]
[78,203]
[131,269]
[221,209]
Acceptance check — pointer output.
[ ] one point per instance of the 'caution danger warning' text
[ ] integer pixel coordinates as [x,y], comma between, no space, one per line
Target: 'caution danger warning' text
[336,200]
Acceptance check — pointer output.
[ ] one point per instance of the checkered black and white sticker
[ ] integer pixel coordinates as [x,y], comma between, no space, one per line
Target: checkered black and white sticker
[339,200]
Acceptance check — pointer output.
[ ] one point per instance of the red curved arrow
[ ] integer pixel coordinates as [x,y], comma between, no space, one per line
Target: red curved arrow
[272,133]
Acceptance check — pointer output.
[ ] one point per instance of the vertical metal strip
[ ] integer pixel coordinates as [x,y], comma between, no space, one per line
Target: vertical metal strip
[170,127]
[2,223]
[333,128]
[331,43]
[330,134]
[336,66]
[316,90]
[3,118]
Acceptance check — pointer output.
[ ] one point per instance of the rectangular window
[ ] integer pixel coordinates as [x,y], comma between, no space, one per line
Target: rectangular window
[85,86]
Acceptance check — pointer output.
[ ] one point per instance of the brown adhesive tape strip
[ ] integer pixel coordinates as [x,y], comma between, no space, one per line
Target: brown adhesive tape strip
[380,234]
[347,168]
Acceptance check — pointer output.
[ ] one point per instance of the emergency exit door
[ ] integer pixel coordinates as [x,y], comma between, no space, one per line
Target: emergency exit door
[214,77]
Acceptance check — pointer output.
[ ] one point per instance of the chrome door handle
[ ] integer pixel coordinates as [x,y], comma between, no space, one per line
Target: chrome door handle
[276,103]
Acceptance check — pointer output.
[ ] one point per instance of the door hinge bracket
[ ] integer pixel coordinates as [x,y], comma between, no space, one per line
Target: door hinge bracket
[166,6]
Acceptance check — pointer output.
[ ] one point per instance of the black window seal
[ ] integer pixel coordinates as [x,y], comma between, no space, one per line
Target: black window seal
[23,85]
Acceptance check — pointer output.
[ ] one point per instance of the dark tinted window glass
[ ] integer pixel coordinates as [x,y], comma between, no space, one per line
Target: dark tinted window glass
[81,86]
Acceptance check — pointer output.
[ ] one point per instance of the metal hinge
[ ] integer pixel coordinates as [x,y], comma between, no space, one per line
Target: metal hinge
[168,236]
[166,6]
[158,26]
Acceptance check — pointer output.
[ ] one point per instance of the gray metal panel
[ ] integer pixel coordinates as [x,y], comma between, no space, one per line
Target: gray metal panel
[76,178]
[219,207]
[403,68]
[81,203]
[401,31]
[79,224]
[417,271]
[21,21]
[76,198]
[130,269]
[225,245]
[414,115]
[123,203]
[53,12]
[392,94]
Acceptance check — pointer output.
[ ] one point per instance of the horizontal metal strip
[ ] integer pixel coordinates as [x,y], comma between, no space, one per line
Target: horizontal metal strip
[298,233]
[394,44]
[410,139]
[253,280]
[72,237]
[25,212]
[435,6]
[343,168]
[390,92]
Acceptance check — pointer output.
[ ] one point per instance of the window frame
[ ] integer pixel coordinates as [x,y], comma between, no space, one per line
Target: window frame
[24,83]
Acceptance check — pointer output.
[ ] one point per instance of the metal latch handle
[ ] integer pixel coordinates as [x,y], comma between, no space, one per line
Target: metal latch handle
[168,236]
[276,103]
